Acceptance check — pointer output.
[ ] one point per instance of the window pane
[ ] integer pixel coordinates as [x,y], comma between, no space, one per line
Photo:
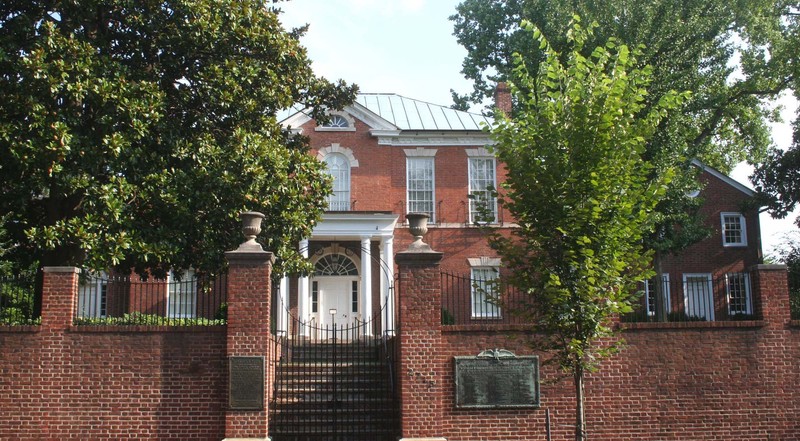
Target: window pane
[738,286]
[420,186]
[339,169]
[182,295]
[482,204]
[484,293]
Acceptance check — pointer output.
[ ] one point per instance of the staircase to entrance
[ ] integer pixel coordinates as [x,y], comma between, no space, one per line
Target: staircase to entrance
[334,390]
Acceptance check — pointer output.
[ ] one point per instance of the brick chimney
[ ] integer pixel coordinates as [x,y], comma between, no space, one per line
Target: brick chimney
[502,98]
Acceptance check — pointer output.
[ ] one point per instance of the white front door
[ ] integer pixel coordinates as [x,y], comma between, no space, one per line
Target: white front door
[339,293]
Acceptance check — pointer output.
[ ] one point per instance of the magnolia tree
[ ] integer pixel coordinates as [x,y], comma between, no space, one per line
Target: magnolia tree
[133,133]
[581,191]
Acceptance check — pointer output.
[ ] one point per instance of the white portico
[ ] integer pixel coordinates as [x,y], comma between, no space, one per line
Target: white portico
[342,280]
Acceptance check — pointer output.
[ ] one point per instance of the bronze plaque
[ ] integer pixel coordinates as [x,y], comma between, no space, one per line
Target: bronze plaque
[246,383]
[497,383]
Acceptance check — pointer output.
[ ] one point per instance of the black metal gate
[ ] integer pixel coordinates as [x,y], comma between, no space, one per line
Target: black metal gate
[334,383]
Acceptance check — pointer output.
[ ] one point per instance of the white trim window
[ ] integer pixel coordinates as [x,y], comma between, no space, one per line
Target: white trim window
[181,294]
[734,230]
[484,292]
[737,291]
[420,180]
[338,167]
[482,204]
[650,294]
[698,296]
[93,295]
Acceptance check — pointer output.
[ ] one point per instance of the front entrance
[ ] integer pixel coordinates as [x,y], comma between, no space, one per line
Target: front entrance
[334,300]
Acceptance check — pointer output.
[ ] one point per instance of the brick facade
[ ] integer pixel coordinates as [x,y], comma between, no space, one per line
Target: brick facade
[59,381]
[672,381]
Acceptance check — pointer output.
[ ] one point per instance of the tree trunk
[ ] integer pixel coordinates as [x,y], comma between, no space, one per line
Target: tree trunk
[580,421]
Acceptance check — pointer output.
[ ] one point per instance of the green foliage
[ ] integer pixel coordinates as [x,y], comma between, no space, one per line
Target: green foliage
[778,181]
[133,133]
[580,188]
[732,56]
[16,301]
[138,318]
[447,317]
[789,254]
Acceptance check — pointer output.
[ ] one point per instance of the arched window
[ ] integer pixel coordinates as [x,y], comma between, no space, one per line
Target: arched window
[339,169]
[335,265]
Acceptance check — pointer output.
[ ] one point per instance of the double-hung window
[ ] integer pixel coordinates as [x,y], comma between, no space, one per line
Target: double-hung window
[420,185]
[181,294]
[734,230]
[737,287]
[93,295]
[484,292]
[650,294]
[482,204]
[698,296]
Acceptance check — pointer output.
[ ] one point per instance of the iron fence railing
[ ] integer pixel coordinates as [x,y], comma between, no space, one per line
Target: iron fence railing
[695,297]
[132,300]
[794,294]
[467,300]
[17,301]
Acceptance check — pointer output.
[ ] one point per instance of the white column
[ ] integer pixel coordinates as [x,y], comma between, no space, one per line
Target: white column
[302,294]
[283,307]
[387,279]
[366,283]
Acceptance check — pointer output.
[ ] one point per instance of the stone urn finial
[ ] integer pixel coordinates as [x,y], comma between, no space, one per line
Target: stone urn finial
[251,227]
[418,226]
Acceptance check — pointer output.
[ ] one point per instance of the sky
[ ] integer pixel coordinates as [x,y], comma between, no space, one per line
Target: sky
[407,47]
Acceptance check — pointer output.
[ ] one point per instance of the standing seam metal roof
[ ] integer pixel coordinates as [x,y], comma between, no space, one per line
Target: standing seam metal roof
[410,114]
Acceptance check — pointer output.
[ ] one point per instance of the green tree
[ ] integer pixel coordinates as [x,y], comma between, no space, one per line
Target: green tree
[132,133]
[732,56]
[582,192]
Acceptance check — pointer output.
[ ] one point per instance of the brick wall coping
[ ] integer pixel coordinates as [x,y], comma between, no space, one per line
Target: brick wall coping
[769,267]
[250,257]
[487,327]
[20,328]
[693,325]
[146,329]
[61,269]
[794,323]
[416,258]
[119,329]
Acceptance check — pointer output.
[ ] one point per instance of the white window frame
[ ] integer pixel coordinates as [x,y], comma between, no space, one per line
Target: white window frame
[745,281]
[185,292]
[692,307]
[339,200]
[480,307]
[478,195]
[651,307]
[742,228]
[414,206]
[93,297]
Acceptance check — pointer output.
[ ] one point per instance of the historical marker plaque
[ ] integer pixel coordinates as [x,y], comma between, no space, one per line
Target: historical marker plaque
[497,380]
[246,383]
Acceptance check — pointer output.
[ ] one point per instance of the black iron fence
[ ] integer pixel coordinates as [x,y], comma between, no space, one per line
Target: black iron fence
[131,300]
[17,301]
[469,300]
[794,293]
[695,297]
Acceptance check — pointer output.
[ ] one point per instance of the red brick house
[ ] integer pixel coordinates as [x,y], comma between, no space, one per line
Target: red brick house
[390,155]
